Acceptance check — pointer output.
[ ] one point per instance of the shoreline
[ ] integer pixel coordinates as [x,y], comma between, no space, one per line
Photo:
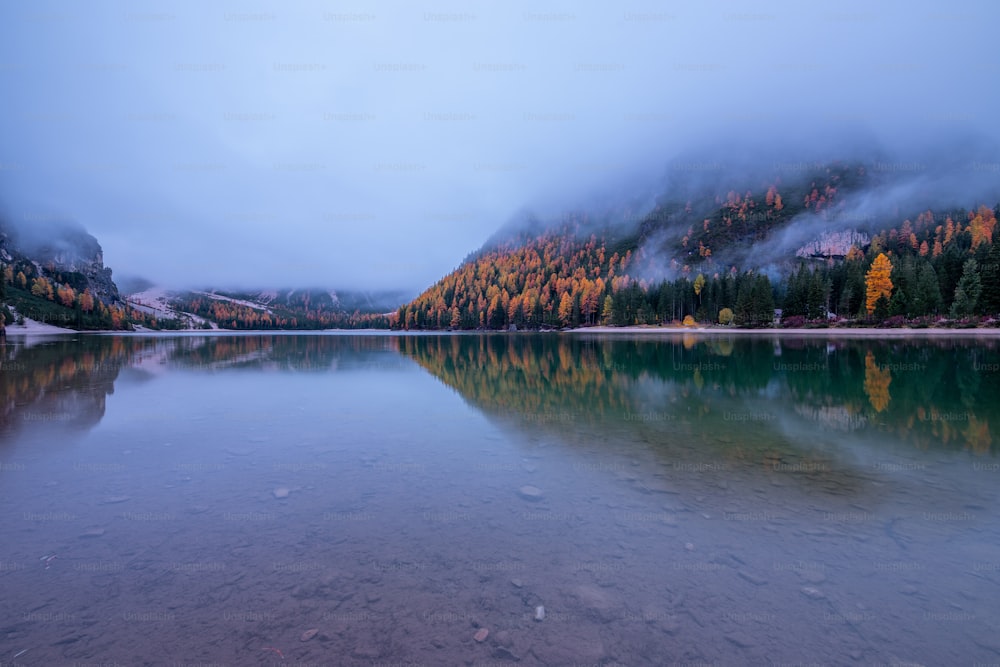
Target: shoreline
[830,332]
[36,328]
[41,329]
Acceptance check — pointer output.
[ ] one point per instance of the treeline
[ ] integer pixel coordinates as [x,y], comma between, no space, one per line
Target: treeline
[59,298]
[916,272]
[64,299]
[237,316]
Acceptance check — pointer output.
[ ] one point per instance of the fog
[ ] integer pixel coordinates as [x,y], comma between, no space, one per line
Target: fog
[374,145]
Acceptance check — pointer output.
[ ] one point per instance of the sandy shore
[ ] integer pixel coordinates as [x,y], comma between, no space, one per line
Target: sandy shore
[831,332]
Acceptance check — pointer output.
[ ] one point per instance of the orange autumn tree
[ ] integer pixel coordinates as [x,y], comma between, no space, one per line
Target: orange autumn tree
[877,281]
[67,296]
[565,308]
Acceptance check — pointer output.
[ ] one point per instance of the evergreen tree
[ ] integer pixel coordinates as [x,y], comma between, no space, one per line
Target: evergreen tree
[663,304]
[968,290]
[949,269]
[755,302]
[763,298]
[796,296]
[881,309]
[854,287]
[899,304]
[927,298]
[816,297]
[990,274]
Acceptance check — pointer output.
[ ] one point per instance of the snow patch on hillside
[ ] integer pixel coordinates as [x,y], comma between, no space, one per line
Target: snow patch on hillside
[249,304]
[34,327]
[156,301]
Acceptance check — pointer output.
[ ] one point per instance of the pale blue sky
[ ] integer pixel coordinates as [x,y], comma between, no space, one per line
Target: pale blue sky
[375,144]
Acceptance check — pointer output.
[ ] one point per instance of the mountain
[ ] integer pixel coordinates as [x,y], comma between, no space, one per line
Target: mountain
[799,236]
[59,250]
[262,309]
[54,272]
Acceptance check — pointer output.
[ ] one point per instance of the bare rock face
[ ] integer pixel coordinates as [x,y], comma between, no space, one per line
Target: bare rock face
[63,247]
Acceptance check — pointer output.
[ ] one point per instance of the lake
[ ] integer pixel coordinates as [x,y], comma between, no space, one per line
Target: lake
[383,499]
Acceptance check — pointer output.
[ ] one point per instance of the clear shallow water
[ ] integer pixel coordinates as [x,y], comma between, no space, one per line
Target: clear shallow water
[698,501]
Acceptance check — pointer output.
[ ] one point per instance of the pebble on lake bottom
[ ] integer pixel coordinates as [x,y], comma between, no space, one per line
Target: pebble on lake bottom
[539,613]
[481,635]
[281,492]
[309,634]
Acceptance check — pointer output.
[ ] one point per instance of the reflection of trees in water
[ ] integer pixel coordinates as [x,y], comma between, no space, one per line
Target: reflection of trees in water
[59,382]
[940,397]
[877,381]
[943,393]
[298,352]
[526,376]
[64,382]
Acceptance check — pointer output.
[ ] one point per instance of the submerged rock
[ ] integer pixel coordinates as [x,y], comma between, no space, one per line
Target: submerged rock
[812,593]
[309,634]
[754,579]
[529,492]
[740,640]
[281,492]
[539,613]
[502,653]
[481,635]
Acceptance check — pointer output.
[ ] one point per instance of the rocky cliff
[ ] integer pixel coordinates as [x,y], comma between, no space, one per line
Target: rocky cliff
[61,247]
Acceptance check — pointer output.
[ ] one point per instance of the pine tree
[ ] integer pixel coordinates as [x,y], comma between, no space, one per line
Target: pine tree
[763,298]
[795,302]
[881,309]
[990,273]
[968,290]
[755,302]
[927,299]
[899,304]
[816,297]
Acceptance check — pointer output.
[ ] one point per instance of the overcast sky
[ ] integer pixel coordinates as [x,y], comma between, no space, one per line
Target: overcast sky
[375,144]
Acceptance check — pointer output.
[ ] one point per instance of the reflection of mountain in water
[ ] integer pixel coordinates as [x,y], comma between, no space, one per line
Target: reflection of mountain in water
[58,386]
[283,352]
[933,394]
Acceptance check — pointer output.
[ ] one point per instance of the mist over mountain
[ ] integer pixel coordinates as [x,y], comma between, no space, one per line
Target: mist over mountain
[875,185]
[719,218]
[58,248]
[303,145]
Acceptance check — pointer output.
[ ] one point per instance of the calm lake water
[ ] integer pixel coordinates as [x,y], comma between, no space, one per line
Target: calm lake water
[206,500]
